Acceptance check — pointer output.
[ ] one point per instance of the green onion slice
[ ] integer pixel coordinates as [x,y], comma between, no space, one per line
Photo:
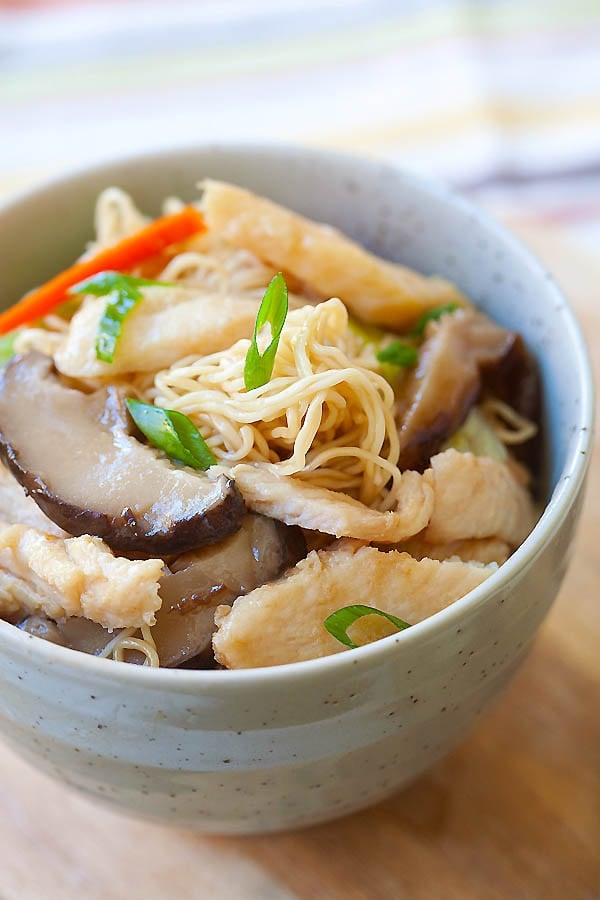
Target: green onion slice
[123,293]
[398,354]
[172,432]
[273,310]
[338,623]
[432,315]
[7,346]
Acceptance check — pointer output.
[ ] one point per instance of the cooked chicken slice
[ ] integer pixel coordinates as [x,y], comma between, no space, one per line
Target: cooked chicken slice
[476,497]
[297,502]
[167,325]
[446,382]
[379,292]
[483,550]
[282,622]
[74,577]
[18,508]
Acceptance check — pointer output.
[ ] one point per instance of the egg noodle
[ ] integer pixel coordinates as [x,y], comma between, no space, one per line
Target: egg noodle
[510,427]
[128,640]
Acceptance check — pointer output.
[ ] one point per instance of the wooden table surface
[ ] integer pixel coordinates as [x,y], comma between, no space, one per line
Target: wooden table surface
[513,814]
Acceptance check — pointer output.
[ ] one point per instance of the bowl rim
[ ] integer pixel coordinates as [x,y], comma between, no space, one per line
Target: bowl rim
[562,499]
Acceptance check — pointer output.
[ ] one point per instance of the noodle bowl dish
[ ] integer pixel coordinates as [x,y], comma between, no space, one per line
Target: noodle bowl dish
[281,412]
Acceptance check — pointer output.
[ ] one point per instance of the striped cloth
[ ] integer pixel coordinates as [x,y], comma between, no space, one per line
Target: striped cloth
[501,98]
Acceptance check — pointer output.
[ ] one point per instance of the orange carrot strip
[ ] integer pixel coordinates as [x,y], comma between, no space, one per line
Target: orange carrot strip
[129,252]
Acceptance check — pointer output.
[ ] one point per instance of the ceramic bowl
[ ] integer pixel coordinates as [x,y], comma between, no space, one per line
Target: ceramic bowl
[267,749]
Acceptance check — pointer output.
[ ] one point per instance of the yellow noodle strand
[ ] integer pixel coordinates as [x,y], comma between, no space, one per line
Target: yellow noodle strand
[322,412]
[126,640]
[499,414]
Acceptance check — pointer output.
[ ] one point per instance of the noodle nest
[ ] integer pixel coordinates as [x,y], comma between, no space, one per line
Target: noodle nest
[325,415]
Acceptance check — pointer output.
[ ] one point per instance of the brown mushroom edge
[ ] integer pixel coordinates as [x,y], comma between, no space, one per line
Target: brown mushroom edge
[198,582]
[73,453]
[464,355]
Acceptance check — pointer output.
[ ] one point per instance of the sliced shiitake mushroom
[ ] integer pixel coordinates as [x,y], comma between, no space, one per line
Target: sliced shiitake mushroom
[198,582]
[74,455]
[515,380]
[44,628]
[84,635]
[462,351]
[76,633]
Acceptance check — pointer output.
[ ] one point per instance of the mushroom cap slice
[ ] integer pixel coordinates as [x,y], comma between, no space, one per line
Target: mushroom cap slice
[74,456]
[200,581]
[74,632]
[41,626]
[447,381]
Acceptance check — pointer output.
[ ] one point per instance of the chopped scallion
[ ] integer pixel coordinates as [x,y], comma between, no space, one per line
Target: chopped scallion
[398,354]
[7,346]
[338,623]
[172,432]
[273,310]
[123,293]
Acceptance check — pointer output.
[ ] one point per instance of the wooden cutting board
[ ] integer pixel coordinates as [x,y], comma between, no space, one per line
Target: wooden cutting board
[513,814]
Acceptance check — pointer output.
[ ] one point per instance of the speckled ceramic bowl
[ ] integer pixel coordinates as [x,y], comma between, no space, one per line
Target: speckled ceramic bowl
[267,749]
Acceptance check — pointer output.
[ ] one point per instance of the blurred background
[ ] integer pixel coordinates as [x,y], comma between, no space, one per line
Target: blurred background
[499,98]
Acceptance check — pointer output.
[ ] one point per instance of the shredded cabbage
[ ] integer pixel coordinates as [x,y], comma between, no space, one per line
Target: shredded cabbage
[477,436]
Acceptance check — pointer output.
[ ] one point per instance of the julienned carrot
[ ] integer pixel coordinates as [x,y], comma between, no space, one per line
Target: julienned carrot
[129,252]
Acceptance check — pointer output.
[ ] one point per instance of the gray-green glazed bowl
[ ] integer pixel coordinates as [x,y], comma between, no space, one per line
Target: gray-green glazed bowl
[267,749]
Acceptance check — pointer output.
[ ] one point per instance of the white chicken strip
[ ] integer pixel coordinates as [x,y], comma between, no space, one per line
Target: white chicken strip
[379,292]
[282,622]
[476,497]
[483,550]
[167,325]
[297,502]
[19,509]
[76,576]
